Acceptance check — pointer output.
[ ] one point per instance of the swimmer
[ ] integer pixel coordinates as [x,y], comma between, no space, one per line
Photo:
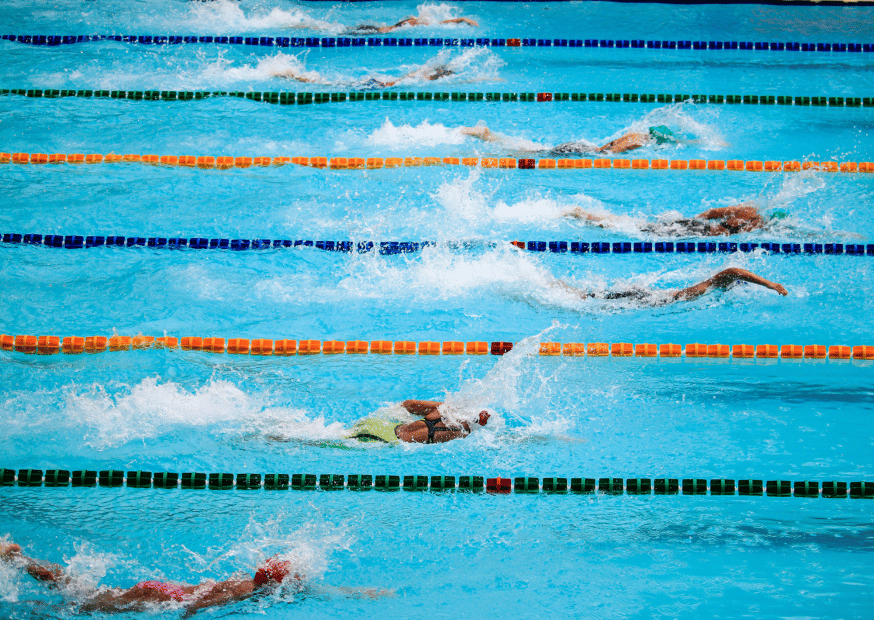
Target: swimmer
[657,135]
[441,71]
[432,428]
[409,21]
[723,280]
[711,223]
[267,577]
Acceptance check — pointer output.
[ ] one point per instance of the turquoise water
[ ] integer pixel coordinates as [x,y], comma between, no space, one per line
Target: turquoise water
[444,555]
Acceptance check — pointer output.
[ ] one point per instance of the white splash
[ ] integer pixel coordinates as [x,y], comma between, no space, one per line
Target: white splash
[228,16]
[222,71]
[422,135]
[150,409]
[308,546]
[679,119]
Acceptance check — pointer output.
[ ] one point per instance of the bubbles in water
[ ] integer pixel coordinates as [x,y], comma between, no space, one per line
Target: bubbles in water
[10,579]
[86,568]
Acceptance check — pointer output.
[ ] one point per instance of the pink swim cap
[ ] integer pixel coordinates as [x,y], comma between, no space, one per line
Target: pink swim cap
[272,570]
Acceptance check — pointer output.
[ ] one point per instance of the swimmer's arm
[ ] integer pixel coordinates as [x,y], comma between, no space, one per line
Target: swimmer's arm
[628,142]
[421,407]
[743,211]
[412,21]
[221,593]
[290,75]
[461,20]
[482,132]
[579,214]
[567,288]
[724,279]
[38,569]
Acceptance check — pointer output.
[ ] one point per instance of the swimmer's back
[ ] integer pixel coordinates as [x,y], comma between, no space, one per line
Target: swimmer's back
[572,148]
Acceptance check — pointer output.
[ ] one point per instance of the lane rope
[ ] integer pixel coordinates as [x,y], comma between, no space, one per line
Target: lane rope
[209,162]
[75,345]
[349,42]
[289,98]
[478,484]
[388,248]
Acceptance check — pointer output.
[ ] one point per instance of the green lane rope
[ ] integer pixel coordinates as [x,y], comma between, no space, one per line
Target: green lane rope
[361,482]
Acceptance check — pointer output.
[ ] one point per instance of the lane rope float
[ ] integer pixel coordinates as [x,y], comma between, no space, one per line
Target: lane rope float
[209,162]
[478,484]
[75,345]
[349,42]
[300,98]
[78,242]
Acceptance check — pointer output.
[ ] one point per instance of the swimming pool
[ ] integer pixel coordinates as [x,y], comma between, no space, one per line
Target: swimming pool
[444,554]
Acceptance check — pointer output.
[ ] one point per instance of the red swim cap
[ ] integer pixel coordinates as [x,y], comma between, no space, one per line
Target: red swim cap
[272,570]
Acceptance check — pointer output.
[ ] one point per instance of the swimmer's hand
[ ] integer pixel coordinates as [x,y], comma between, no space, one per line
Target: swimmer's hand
[623,144]
[461,20]
[480,131]
[371,593]
[578,213]
[777,287]
[291,75]
[9,551]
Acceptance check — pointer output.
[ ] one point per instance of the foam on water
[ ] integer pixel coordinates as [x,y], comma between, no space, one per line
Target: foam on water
[435,13]
[229,16]
[87,567]
[223,71]
[517,392]
[466,201]
[107,417]
[548,212]
[84,570]
[441,274]
[690,123]
[308,546]
[472,65]
[10,578]
[407,136]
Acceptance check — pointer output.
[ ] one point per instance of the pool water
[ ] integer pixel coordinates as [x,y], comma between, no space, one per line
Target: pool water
[441,554]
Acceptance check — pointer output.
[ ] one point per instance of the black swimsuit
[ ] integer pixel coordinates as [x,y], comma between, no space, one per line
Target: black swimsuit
[433,428]
[573,148]
[363,29]
[677,228]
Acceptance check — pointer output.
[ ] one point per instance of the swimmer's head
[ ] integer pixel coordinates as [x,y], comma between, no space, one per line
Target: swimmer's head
[272,571]
[483,417]
[440,72]
[662,134]
[779,214]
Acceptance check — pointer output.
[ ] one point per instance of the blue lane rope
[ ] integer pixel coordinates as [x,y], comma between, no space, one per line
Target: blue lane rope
[335,42]
[77,242]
